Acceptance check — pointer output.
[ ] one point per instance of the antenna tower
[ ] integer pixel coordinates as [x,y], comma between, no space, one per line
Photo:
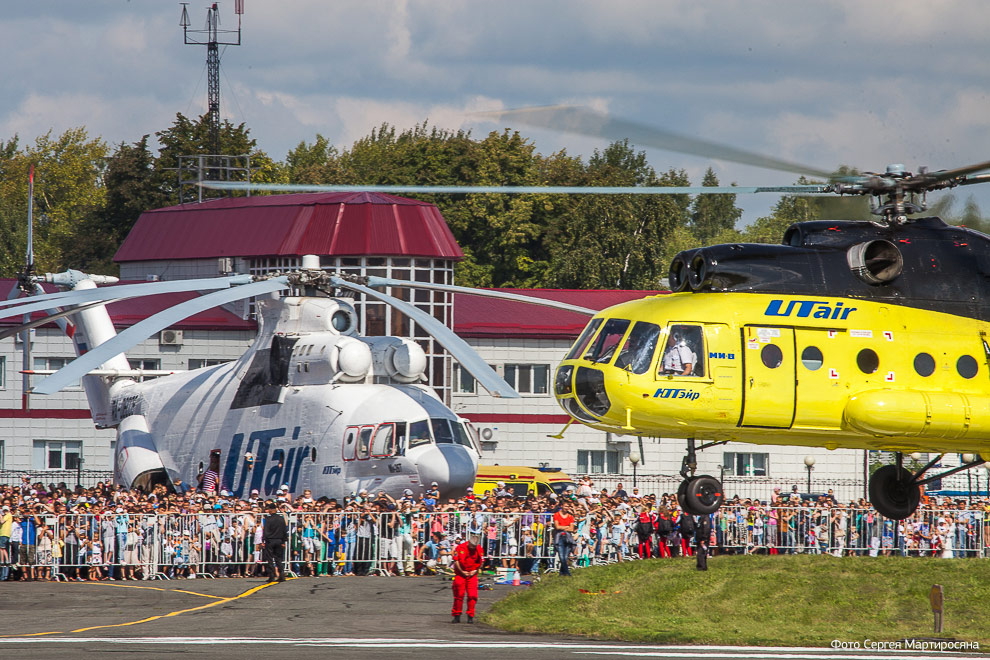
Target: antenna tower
[213,37]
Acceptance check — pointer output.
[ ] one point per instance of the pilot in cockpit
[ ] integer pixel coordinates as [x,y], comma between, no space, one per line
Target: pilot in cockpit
[678,358]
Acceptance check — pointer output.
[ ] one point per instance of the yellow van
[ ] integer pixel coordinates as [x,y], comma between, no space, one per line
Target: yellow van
[521,481]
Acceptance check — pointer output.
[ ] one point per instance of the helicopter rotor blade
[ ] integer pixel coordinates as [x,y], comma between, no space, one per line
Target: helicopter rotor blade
[585,121]
[58,299]
[458,348]
[51,317]
[525,190]
[979,178]
[378,282]
[141,330]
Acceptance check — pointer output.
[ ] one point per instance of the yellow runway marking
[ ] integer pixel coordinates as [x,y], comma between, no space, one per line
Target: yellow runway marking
[221,600]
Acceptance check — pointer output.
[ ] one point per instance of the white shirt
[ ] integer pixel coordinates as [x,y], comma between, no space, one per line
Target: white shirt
[677,356]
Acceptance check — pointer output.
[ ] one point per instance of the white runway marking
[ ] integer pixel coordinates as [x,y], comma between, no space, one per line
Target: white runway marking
[631,650]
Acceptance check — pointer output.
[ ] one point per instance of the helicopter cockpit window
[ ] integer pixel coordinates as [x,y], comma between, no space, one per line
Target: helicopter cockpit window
[684,352]
[419,433]
[383,443]
[637,352]
[442,432]
[461,435]
[583,340]
[608,340]
[364,442]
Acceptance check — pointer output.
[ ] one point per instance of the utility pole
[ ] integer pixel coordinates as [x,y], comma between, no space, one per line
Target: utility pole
[211,37]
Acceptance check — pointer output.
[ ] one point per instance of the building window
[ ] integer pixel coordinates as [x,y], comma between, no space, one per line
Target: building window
[54,364]
[149,364]
[3,372]
[199,363]
[598,461]
[464,382]
[746,464]
[56,455]
[528,378]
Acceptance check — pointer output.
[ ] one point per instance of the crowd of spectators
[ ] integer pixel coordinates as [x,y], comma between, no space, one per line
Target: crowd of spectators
[111,533]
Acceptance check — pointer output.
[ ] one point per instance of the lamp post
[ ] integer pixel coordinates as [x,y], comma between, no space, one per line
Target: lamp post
[809,462]
[969,458]
[634,458]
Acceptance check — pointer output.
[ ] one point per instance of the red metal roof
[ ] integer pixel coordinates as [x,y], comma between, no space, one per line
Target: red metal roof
[126,313]
[335,224]
[479,317]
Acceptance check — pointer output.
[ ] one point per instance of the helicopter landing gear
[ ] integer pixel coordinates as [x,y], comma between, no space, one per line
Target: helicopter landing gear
[698,495]
[893,492]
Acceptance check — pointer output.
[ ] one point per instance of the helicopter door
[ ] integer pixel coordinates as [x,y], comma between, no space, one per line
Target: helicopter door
[769,377]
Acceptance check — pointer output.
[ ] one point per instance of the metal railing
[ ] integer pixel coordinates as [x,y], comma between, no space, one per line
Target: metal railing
[171,546]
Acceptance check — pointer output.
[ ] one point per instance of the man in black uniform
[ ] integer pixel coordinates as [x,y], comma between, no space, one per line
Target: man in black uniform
[274,536]
[702,536]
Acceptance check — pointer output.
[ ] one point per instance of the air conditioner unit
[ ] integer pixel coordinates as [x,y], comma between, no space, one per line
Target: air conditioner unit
[488,434]
[170,338]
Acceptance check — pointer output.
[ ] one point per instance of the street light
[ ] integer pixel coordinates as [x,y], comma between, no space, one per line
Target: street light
[634,458]
[809,462]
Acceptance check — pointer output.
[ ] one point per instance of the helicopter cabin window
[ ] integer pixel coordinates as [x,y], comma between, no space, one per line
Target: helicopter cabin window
[442,432]
[924,364]
[604,348]
[812,358]
[383,443]
[350,437]
[637,353]
[364,442]
[419,433]
[684,351]
[584,339]
[528,378]
[868,361]
[772,356]
[966,366]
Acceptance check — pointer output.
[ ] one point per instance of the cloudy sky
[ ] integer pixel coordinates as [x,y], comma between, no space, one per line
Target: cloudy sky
[830,82]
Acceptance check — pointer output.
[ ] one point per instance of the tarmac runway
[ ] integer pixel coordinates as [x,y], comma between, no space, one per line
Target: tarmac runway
[367,618]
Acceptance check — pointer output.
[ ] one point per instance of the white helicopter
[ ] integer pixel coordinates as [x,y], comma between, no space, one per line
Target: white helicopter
[312,403]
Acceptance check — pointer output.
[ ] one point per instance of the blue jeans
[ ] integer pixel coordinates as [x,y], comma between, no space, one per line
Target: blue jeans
[563,548]
[4,567]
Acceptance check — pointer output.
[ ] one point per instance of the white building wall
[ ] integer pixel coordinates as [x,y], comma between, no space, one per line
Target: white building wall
[18,434]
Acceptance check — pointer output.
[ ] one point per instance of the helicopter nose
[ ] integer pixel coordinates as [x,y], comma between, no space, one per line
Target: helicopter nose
[453,467]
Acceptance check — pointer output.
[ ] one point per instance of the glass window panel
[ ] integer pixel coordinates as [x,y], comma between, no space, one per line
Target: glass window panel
[613,462]
[38,455]
[381,445]
[524,376]
[603,350]
[419,433]
[583,340]
[510,376]
[541,378]
[54,455]
[638,349]
[582,461]
[442,432]
[364,442]
[597,462]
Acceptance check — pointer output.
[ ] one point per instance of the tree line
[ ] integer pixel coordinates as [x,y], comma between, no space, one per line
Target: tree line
[88,195]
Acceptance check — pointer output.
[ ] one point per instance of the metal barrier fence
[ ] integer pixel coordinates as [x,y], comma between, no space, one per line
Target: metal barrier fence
[84,478]
[171,546]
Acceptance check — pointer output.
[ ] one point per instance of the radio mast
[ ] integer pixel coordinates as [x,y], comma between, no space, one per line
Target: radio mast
[213,37]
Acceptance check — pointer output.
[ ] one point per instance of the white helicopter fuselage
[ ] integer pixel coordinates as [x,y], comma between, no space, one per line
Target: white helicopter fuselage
[310,405]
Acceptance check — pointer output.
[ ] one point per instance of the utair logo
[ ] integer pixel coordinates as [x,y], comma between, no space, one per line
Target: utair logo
[805,308]
[272,465]
[675,393]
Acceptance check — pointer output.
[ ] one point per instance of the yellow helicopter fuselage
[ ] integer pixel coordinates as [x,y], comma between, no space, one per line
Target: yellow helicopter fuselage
[818,371]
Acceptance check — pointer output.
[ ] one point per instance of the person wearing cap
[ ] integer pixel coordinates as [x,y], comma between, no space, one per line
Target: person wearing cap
[468,558]
[273,543]
[6,525]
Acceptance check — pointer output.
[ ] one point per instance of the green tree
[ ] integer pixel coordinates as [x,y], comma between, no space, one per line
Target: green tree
[713,214]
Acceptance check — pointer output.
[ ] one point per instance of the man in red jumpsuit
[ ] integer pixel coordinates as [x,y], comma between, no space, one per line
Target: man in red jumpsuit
[468,558]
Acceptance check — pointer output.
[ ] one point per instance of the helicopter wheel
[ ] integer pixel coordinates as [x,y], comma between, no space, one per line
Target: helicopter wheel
[700,496]
[892,492]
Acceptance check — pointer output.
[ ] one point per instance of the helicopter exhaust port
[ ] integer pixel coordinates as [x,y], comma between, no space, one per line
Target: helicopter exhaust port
[678,276]
[699,270]
[875,262]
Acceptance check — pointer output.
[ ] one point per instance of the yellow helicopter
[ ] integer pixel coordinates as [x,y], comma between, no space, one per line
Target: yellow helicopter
[863,335]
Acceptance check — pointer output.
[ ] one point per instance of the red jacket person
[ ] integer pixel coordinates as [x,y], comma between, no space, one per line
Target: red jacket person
[468,558]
